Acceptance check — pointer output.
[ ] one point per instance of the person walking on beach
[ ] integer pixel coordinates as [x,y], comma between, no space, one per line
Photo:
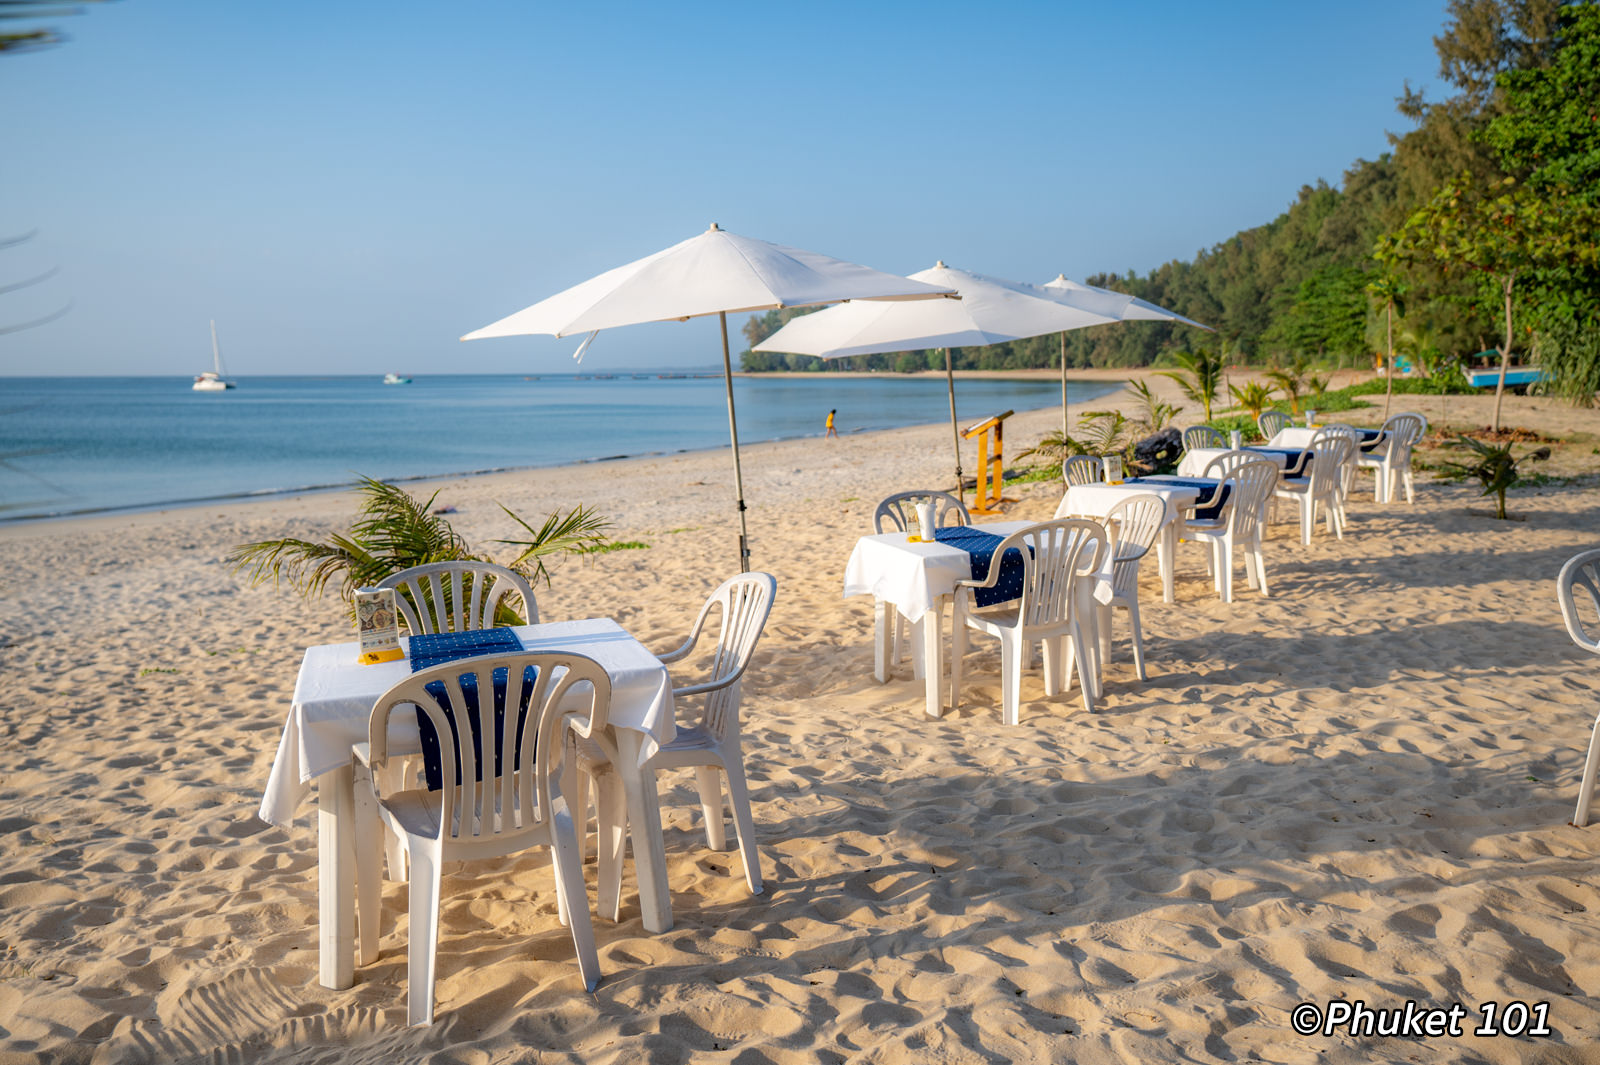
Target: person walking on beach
[831,430]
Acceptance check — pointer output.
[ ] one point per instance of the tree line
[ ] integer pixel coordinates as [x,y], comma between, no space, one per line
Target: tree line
[1498,179]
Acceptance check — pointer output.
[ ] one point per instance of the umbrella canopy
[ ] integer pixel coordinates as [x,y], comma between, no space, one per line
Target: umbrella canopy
[1117,305]
[717,273]
[990,311]
[1112,304]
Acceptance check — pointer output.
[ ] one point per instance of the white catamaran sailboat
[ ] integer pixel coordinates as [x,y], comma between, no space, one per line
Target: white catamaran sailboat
[212,380]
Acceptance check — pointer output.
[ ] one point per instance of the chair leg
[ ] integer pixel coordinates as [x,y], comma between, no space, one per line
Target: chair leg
[1586,788]
[1308,518]
[1010,677]
[1086,681]
[958,651]
[424,946]
[370,838]
[1054,678]
[1261,566]
[1136,635]
[1225,566]
[1406,476]
[1102,624]
[709,783]
[743,822]
[566,858]
[611,841]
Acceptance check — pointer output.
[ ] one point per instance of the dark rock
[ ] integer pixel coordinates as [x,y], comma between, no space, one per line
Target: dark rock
[1158,452]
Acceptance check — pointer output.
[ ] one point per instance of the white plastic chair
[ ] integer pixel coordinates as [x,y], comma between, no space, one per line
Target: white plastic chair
[1582,573]
[1324,485]
[457,596]
[709,744]
[488,807]
[1083,469]
[1197,436]
[1272,422]
[1058,559]
[1133,524]
[1350,465]
[1241,521]
[899,512]
[1391,459]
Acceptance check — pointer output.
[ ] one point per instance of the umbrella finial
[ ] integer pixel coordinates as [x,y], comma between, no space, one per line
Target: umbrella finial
[714,228]
[1061,277]
[940,265]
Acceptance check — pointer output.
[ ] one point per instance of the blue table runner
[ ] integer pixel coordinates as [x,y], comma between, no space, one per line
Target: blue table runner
[980,546]
[1208,490]
[438,648]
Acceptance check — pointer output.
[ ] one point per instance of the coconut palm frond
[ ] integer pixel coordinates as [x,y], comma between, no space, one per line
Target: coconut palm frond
[580,531]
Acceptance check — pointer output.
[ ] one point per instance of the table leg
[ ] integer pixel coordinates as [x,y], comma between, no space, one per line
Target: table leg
[336,877]
[882,639]
[919,658]
[1166,550]
[644,817]
[932,659]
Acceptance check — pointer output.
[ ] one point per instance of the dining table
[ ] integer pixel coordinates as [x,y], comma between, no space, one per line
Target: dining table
[1196,460]
[1301,436]
[1097,500]
[328,718]
[917,578]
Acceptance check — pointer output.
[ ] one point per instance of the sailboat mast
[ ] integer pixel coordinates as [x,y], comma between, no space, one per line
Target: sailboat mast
[216,352]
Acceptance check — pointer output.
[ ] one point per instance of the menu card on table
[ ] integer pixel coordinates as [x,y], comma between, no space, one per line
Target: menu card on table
[379,624]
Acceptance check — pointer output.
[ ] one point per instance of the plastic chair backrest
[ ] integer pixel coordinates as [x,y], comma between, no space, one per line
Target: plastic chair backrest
[1581,574]
[1253,481]
[477,803]
[1055,556]
[1083,469]
[1332,449]
[1202,436]
[1272,422]
[901,510]
[1404,430]
[746,603]
[457,596]
[1133,524]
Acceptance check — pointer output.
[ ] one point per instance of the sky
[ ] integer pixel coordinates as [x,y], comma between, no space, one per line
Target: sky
[348,188]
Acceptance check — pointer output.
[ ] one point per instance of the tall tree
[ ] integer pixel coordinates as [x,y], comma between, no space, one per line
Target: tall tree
[1501,232]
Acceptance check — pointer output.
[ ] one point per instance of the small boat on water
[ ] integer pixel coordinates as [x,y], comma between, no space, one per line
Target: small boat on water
[395,379]
[212,380]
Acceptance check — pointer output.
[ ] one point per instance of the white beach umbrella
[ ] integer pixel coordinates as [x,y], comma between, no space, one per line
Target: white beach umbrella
[1113,304]
[717,273]
[990,311]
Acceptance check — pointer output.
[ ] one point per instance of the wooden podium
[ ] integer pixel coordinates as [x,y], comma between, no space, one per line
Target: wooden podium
[990,464]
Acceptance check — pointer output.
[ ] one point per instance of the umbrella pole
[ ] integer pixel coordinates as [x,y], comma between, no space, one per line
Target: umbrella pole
[955,434]
[1063,391]
[733,431]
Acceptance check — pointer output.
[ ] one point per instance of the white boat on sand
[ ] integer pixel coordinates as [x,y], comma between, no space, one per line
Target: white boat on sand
[212,380]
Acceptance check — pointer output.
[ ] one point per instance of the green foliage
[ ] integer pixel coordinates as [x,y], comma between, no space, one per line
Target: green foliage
[1253,398]
[1494,466]
[1155,415]
[1199,376]
[1244,423]
[1291,380]
[395,531]
[1569,354]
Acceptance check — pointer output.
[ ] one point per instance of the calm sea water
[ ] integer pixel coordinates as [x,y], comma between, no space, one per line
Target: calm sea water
[80,445]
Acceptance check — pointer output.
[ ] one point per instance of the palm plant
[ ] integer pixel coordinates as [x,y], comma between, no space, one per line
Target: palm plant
[1157,415]
[1200,376]
[1495,468]
[396,531]
[1291,380]
[1253,398]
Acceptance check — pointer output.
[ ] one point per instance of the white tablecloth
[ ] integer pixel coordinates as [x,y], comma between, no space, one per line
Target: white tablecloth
[913,576]
[1194,463]
[334,694]
[1293,436]
[1096,500]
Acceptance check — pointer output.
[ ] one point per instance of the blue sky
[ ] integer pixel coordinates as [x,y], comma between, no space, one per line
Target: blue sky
[347,188]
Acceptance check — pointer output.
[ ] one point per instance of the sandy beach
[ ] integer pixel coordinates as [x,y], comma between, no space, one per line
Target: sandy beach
[1358,788]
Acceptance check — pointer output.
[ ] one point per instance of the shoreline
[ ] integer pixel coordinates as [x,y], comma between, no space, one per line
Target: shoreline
[425,479]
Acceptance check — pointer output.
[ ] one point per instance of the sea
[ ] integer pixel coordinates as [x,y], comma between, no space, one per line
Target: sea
[85,445]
